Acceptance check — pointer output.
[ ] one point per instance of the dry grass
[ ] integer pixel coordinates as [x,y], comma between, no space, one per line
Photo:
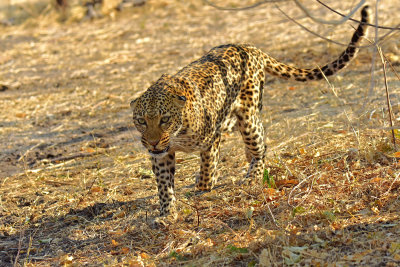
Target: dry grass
[76,187]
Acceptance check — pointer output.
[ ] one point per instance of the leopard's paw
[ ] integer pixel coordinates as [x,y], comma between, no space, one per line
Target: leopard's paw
[164,221]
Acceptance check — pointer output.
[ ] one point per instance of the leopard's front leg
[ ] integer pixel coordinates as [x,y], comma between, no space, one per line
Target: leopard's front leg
[164,170]
[208,168]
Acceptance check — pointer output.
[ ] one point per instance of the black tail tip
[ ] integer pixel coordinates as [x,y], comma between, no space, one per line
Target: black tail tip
[365,12]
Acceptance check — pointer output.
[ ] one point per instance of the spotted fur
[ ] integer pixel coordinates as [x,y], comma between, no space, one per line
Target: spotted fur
[189,110]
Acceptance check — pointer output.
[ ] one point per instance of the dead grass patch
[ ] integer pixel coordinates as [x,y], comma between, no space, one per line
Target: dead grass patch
[77,189]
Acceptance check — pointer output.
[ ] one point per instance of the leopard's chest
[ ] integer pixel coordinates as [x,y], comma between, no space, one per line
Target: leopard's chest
[187,142]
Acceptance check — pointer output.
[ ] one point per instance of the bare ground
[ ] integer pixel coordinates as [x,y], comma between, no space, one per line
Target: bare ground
[76,186]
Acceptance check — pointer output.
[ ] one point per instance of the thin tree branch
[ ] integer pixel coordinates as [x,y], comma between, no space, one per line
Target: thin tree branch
[383,38]
[242,8]
[355,20]
[312,32]
[306,11]
[308,14]
[378,40]
[333,22]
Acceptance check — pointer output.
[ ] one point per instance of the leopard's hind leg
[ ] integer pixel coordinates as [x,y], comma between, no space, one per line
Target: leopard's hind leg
[251,128]
[252,132]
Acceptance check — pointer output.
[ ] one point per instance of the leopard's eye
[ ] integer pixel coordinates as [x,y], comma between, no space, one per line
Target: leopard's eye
[165,119]
[141,121]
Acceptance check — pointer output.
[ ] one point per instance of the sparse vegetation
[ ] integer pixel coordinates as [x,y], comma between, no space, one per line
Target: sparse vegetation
[76,188]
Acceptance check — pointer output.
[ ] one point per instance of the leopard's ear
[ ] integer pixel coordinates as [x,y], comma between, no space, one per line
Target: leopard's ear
[180,100]
[133,104]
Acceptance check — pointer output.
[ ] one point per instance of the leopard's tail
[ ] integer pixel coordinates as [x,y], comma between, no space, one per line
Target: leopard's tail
[282,70]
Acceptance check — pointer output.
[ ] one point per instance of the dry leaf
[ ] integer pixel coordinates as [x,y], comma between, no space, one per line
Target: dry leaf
[396,154]
[376,180]
[135,263]
[21,115]
[116,233]
[125,250]
[209,242]
[269,191]
[287,182]
[120,214]
[96,189]
[114,243]
[89,150]
[144,256]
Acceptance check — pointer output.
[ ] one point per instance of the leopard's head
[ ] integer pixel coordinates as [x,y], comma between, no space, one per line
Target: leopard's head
[157,115]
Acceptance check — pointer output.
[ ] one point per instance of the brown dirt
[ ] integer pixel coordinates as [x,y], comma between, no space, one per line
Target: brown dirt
[76,186]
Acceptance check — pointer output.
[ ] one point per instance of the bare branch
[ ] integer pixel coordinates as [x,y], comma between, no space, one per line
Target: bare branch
[378,40]
[308,14]
[355,20]
[242,8]
[333,22]
[383,38]
[310,31]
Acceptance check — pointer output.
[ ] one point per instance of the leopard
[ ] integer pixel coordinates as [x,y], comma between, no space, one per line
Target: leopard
[189,110]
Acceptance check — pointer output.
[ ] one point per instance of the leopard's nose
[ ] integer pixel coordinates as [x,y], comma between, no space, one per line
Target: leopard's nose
[154,142]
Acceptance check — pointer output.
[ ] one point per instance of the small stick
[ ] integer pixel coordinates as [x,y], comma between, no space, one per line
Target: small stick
[21,237]
[273,217]
[387,95]
[390,187]
[197,211]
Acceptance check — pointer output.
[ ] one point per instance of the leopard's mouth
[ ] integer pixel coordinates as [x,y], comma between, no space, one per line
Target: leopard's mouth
[159,152]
